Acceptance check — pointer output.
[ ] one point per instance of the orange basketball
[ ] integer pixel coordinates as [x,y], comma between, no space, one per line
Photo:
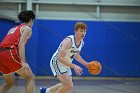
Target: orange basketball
[94,67]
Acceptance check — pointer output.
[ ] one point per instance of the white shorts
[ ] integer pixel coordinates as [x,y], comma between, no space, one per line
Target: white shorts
[58,68]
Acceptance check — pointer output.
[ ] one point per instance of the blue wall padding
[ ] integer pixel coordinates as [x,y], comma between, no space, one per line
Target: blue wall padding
[115,44]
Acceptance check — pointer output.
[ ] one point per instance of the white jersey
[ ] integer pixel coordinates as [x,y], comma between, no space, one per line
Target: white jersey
[59,68]
[71,51]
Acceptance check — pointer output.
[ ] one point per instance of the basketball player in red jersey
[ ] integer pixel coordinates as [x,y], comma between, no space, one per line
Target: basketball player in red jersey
[12,53]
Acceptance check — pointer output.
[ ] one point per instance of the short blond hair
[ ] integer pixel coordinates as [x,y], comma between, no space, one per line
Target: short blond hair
[81,25]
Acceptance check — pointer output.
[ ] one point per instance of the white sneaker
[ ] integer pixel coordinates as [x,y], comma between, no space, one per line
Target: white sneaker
[48,90]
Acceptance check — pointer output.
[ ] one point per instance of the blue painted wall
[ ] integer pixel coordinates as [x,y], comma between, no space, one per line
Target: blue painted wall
[5,25]
[114,44]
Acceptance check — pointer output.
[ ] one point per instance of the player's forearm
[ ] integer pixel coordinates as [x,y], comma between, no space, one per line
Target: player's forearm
[66,63]
[81,60]
[22,53]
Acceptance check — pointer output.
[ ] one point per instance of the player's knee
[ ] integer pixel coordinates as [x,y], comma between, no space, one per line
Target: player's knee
[30,76]
[69,87]
[9,83]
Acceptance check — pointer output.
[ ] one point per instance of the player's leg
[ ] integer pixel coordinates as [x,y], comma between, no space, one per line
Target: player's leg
[66,82]
[52,89]
[61,71]
[64,87]
[56,70]
[54,67]
[30,81]
[16,66]
[7,75]
[9,81]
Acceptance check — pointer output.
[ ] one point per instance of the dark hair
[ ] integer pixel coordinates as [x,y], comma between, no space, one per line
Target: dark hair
[25,16]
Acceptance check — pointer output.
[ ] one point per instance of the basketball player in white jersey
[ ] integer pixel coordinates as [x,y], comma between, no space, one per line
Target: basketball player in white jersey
[61,61]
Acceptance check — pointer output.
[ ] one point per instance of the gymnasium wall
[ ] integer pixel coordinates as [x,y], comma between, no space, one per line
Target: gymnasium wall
[4,26]
[114,44]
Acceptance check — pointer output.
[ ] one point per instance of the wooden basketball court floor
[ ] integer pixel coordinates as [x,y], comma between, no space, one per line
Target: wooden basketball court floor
[85,84]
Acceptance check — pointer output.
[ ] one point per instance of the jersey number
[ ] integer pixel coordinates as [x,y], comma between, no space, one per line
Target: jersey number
[72,56]
[12,30]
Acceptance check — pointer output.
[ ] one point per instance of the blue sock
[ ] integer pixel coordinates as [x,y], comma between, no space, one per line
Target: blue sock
[42,89]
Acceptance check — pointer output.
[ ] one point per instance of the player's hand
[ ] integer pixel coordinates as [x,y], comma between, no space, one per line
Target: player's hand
[78,70]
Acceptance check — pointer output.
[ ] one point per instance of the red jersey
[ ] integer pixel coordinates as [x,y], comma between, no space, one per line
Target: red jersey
[12,38]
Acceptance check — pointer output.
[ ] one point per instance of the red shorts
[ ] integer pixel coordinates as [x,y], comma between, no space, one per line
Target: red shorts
[9,61]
